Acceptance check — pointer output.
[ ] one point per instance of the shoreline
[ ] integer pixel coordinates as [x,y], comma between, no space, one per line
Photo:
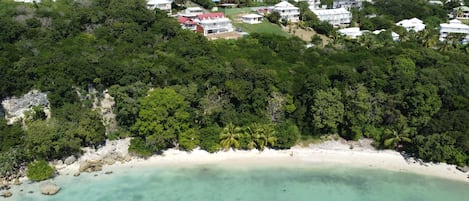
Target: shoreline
[328,153]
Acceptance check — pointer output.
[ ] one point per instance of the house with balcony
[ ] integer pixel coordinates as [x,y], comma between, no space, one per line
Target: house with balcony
[461,12]
[456,27]
[187,23]
[347,4]
[337,16]
[413,24]
[191,12]
[213,23]
[287,11]
[164,5]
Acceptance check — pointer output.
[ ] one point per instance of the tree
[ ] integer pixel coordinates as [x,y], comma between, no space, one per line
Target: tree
[90,129]
[357,112]
[287,135]
[327,110]
[229,138]
[274,17]
[51,139]
[421,103]
[162,119]
[261,135]
[396,136]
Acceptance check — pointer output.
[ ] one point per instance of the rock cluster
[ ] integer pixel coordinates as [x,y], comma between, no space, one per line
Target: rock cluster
[49,188]
[6,194]
[464,169]
[15,108]
[91,166]
[69,160]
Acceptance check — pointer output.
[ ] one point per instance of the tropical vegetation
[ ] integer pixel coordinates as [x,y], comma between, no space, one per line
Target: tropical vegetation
[175,89]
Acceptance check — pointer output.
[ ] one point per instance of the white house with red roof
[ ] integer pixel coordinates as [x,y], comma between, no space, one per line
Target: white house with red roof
[213,23]
[187,23]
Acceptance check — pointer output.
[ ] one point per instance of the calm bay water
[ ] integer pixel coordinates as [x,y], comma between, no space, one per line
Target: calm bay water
[208,183]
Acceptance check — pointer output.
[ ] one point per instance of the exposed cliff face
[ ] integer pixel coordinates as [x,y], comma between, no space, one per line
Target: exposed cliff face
[15,108]
[109,118]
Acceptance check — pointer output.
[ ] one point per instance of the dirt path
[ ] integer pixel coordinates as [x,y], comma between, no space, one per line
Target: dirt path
[305,34]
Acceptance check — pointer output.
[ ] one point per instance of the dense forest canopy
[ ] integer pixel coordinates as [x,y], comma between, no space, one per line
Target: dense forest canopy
[174,88]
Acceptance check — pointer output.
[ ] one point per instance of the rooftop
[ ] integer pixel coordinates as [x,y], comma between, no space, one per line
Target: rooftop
[330,11]
[211,15]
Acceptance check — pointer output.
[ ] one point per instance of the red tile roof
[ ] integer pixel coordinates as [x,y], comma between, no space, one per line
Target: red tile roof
[211,15]
[185,20]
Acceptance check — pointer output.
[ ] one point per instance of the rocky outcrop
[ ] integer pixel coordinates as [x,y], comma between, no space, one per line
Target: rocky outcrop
[464,169]
[6,194]
[91,166]
[49,188]
[15,108]
[109,118]
[69,160]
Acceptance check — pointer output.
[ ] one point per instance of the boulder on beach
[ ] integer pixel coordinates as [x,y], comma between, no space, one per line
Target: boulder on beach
[6,194]
[76,174]
[91,166]
[69,160]
[49,188]
[463,169]
[17,182]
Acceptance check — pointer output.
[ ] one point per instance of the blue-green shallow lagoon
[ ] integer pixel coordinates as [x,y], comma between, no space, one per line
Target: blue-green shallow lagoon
[208,183]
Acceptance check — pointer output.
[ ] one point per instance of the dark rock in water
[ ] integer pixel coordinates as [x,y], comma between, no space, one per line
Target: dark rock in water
[463,169]
[76,174]
[30,192]
[6,194]
[49,188]
[108,172]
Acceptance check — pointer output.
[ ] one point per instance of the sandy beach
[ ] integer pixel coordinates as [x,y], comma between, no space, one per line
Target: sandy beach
[362,155]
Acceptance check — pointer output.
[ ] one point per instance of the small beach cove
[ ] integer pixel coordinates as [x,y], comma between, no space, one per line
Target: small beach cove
[323,164]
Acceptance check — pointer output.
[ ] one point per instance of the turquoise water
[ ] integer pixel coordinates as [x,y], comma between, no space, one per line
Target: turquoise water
[208,183]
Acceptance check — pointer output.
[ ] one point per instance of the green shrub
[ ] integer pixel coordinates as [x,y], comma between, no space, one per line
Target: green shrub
[138,146]
[39,170]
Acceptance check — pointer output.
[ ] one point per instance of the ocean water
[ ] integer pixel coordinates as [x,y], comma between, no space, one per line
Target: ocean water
[216,183]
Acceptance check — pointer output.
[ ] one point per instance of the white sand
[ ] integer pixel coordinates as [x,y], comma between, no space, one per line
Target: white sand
[327,153]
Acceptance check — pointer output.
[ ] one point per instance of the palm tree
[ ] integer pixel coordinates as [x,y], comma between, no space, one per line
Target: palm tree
[265,136]
[230,137]
[261,136]
[395,137]
[251,131]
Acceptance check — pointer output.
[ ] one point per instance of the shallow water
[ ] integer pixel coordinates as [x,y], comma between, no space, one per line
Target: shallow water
[212,183]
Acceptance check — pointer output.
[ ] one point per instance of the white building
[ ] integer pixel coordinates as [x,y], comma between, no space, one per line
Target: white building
[191,12]
[454,26]
[252,18]
[353,32]
[414,24]
[394,35]
[287,11]
[187,23]
[347,4]
[336,17]
[213,23]
[461,12]
[314,4]
[164,5]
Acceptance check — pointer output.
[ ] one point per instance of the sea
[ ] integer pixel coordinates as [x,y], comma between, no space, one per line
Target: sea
[210,182]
